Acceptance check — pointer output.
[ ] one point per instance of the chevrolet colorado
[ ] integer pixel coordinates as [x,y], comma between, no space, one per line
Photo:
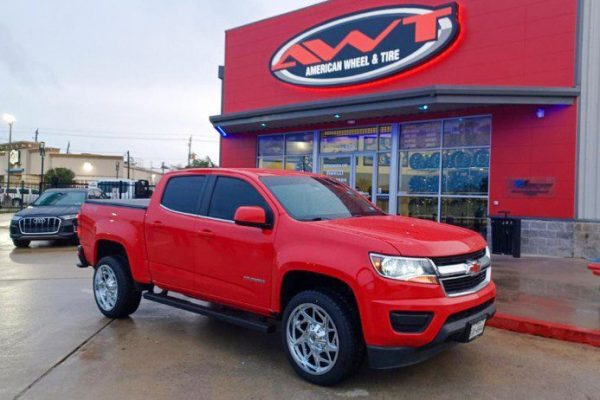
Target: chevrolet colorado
[300,251]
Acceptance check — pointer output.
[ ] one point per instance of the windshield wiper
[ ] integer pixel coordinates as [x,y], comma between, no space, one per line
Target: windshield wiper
[312,219]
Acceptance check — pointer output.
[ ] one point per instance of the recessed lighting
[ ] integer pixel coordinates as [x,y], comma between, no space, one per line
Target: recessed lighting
[263,125]
[541,113]
[337,116]
[424,107]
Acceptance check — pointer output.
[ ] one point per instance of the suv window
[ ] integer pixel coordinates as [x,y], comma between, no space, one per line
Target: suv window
[230,194]
[183,193]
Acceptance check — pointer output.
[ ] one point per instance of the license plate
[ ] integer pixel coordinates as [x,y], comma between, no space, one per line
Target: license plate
[477,329]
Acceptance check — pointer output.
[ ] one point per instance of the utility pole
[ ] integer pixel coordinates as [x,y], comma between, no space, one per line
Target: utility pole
[117,169]
[10,120]
[163,167]
[128,164]
[36,135]
[68,147]
[42,155]
[189,163]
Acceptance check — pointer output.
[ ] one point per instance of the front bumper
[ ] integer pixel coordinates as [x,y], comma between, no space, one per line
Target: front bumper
[67,231]
[454,331]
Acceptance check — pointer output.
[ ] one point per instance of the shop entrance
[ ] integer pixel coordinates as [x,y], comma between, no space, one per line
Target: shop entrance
[357,170]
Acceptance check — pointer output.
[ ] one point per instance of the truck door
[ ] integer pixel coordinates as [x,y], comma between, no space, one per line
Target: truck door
[235,262]
[171,233]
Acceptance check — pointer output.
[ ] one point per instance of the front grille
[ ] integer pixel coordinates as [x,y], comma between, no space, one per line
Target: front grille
[464,283]
[39,225]
[451,260]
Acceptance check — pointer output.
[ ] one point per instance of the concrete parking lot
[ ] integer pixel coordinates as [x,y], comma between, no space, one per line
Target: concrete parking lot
[54,344]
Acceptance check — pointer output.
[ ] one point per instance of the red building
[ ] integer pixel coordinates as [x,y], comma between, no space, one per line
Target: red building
[455,112]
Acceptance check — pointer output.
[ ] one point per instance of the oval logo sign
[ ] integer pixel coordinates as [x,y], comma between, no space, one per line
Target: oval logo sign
[366,46]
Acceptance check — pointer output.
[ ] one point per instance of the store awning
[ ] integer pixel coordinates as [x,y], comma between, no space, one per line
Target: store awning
[405,102]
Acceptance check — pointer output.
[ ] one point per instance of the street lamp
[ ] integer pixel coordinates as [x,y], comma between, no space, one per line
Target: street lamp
[10,120]
[42,155]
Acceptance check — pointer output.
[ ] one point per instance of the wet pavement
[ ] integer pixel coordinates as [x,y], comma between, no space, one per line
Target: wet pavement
[54,344]
[557,290]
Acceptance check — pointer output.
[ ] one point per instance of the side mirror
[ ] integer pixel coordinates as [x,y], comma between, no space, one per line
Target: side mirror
[251,216]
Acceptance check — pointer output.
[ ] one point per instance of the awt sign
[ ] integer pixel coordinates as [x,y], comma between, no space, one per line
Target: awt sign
[366,46]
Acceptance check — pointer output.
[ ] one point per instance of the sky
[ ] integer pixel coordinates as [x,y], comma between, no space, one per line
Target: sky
[115,75]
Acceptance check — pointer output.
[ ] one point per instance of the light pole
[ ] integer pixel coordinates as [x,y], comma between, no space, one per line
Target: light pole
[10,120]
[42,155]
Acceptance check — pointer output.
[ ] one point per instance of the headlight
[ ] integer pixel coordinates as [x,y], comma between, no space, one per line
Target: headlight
[70,216]
[421,270]
[486,260]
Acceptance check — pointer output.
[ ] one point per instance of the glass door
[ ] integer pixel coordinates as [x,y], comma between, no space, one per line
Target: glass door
[338,167]
[363,174]
[355,170]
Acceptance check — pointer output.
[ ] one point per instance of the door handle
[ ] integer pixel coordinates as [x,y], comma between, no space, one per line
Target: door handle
[207,233]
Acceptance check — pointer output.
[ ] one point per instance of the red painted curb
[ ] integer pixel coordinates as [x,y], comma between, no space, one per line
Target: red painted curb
[545,329]
[595,268]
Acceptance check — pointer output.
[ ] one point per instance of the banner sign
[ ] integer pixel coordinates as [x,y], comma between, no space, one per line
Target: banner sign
[366,46]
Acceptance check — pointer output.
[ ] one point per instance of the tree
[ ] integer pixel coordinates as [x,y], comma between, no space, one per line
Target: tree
[59,177]
[203,163]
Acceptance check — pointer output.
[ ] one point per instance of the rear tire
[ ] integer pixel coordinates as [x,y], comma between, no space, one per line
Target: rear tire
[114,289]
[21,244]
[322,336]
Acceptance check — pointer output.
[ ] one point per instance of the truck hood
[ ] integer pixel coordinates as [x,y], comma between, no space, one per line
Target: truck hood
[413,237]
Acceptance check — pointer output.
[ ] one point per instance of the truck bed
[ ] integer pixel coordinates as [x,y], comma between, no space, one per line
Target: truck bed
[140,204]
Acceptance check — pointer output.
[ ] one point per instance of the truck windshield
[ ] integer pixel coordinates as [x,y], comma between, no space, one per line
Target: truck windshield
[308,198]
[60,199]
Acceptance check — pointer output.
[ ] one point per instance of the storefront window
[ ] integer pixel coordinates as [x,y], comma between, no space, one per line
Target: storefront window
[466,171]
[271,145]
[299,163]
[299,143]
[444,171]
[470,213]
[467,132]
[271,163]
[419,207]
[419,172]
[292,151]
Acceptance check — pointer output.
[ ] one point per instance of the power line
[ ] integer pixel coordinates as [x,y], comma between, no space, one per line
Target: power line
[92,131]
[121,137]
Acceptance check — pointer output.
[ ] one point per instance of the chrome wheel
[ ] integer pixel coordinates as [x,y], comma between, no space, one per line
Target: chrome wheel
[105,287]
[312,339]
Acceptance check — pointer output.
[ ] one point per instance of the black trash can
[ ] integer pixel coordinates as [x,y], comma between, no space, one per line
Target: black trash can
[506,236]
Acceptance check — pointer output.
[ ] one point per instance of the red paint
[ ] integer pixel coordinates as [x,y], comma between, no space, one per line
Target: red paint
[546,329]
[508,43]
[211,259]
[595,268]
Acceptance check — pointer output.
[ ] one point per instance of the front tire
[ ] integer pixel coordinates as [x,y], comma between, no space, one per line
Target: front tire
[322,337]
[114,289]
[21,244]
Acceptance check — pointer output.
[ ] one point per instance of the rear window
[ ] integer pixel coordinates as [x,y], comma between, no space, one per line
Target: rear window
[183,193]
[230,194]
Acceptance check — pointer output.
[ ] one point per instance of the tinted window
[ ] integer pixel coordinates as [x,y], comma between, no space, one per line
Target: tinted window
[183,193]
[307,198]
[230,194]
[58,198]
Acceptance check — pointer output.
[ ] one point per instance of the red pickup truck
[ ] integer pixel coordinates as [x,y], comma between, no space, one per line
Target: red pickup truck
[302,252]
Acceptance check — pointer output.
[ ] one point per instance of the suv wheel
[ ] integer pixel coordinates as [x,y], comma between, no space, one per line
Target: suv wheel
[21,243]
[114,289]
[322,337]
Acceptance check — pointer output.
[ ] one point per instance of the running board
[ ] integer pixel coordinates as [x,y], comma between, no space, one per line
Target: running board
[242,319]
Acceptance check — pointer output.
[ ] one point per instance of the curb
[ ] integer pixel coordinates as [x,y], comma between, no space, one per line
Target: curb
[546,329]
